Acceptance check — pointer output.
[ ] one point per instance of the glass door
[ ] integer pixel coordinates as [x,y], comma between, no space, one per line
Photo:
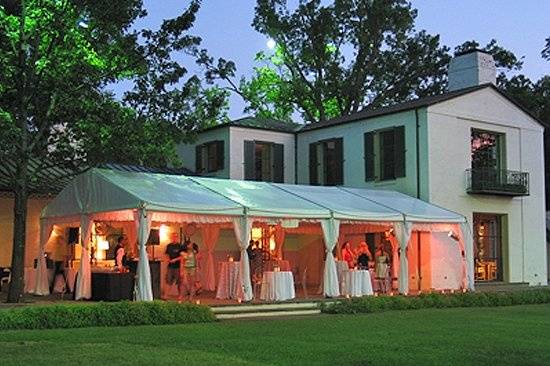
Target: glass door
[488,247]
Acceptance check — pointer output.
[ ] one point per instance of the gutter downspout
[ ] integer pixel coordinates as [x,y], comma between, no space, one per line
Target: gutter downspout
[295,158]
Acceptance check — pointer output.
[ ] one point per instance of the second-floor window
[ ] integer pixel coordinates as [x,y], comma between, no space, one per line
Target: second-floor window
[385,154]
[326,162]
[209,157]
[487,150]
[264,161]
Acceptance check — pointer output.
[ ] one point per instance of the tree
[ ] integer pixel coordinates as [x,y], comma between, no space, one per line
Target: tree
[57,57]
[546,51]
[336,59]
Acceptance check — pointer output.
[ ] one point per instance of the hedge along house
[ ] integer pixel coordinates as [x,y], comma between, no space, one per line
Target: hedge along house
[146,200]
[472,150]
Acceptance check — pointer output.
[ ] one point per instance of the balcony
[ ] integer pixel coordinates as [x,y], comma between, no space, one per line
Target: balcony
[497,182]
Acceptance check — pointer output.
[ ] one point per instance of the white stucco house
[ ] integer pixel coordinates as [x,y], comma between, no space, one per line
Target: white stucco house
[471,150]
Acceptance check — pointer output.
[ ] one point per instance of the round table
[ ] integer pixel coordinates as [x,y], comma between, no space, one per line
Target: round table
[283,265]
[277,286]
[357,283]
[30,279]
[229,281]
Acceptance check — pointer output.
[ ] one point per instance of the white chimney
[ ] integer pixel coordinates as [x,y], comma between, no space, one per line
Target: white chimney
[471,68]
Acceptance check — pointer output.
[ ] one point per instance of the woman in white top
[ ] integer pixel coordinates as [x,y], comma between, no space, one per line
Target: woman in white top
[381,268]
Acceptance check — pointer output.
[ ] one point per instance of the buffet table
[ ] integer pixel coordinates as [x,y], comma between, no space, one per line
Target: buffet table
[112,286]
[356,283]
[277,286]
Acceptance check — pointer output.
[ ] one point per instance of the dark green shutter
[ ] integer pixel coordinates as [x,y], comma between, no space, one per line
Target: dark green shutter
[339,161]
[399,151]
[198,159]
[313,164]
[369,156]
[249,171]
[220,155]
[278,163]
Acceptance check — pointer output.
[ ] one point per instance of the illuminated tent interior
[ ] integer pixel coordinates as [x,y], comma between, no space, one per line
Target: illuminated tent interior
[303,224]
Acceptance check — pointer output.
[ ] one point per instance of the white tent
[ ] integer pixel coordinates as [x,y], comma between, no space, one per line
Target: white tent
[108,195]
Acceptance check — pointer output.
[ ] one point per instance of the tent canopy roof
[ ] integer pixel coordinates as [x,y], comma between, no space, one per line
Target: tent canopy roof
[101,190]
[342,204]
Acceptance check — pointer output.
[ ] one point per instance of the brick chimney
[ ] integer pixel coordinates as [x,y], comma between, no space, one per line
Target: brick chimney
[471,68]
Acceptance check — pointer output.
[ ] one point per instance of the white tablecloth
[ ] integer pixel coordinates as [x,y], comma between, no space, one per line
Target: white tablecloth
[30,279]
[228,281]
[284,265]
[357,283]
[70,276]
[277,286]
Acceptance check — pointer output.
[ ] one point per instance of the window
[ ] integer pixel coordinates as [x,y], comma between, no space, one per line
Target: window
[487,150]
[385,154]
[326,162]
[209,157]
[263,161]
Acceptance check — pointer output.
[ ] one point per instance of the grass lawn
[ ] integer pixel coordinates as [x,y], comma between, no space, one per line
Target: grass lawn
[484,336]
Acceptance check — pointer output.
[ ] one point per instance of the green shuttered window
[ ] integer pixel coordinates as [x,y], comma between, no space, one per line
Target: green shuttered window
[264,161]
[385,154]
[209,157]
[326,162]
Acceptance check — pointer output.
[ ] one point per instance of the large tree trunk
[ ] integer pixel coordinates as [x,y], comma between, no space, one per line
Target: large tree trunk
[19,232]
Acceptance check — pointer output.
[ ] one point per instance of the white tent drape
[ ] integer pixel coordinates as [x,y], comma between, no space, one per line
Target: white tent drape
[83,288]
[279,240]
[242,227]
[129,229]
[403,232]
[331,229]
[394,258]
[144,290]
[469,253]
[210,235]
[42,287]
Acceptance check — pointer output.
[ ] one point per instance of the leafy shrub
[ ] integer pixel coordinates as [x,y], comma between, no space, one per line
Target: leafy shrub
[103,315]
[371,304]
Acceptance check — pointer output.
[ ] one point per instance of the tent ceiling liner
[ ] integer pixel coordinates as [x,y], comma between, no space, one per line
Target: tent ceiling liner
[102,190]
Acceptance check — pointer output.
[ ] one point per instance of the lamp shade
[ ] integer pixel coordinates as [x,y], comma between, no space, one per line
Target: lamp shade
[103,245]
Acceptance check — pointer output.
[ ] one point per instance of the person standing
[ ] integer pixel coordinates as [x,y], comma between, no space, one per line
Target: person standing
[347,255]
[120,253]
[173,251]
[188,272]
[363,256]
[198,258]
[381,268]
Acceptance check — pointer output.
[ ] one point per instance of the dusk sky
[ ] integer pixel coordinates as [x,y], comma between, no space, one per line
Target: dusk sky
[521,26]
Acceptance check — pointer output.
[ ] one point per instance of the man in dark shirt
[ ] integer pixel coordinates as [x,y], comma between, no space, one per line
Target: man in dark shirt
[173,251]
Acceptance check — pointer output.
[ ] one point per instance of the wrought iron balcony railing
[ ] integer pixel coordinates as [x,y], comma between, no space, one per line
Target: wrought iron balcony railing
[497,182]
